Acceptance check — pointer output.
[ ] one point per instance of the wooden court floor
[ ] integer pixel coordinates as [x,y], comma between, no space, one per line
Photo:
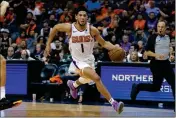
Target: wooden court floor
[29,109]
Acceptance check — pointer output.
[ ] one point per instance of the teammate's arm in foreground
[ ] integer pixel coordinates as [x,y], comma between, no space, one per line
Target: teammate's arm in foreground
[3,7]
[4,103]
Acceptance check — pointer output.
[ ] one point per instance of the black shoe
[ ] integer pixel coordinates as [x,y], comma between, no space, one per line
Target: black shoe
[134,92]
[6,104]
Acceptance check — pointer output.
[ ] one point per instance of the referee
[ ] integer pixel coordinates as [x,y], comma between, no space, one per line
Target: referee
[158,49]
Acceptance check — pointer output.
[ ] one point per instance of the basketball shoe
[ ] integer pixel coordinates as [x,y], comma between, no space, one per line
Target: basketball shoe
[73,90]
[118,106]
[6,104]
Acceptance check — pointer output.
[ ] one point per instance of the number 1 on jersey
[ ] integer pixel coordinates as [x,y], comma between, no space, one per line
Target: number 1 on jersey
[82,48]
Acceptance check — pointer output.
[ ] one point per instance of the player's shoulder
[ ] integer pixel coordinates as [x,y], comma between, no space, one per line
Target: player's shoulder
[94,30]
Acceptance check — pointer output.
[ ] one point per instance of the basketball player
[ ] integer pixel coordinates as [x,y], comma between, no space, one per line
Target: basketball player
[82,37]
[4,103]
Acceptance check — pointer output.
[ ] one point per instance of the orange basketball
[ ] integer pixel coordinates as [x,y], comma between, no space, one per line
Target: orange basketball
[117,54]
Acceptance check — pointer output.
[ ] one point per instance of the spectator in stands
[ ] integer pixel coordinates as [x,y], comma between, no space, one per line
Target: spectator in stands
[31,41]
[105,23]
[151,22]
[10,53]
[56,54]
[67,19]
[140,36]
[154,9]
[70,5]
[172,54]
[129,31]
[28,19]
[10,17]
[172,58]
[5,41]
[41,40]
[38,52]
[168,31]
[142,11]
[125,44]
[92,5]
[141,50]
[125,20]
[22,37]
[139,23]
[62,17]
[133,47]
[55,12]
[46,29]
[134,57]
[32,27]
[172,43]
[21,46]
[15,46]
[113,40]
[43,17]
[98,53]
[25,55]
[52,20]
[20,11]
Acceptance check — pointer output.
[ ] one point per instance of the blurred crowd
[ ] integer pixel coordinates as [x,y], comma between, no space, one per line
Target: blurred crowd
[25,28]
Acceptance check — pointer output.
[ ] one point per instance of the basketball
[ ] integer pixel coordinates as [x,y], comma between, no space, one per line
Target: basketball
[117,54]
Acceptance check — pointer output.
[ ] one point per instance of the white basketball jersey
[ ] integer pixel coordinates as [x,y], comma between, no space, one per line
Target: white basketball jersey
[81,44]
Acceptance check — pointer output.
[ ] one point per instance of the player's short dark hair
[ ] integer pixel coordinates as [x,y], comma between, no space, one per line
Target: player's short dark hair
[81,8]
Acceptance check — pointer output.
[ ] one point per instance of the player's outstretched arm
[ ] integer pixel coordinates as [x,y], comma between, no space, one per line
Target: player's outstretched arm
[63,27]
[100,40]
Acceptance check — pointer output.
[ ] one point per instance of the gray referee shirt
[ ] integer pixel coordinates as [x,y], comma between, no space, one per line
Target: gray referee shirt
[162,46]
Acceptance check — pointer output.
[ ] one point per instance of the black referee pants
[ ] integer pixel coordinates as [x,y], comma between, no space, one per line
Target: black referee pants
[160,70]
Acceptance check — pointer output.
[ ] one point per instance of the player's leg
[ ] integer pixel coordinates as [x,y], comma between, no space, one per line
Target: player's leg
[150,87]
[2,76]
[90,73]
[76,68]
[169,75]
[4,103]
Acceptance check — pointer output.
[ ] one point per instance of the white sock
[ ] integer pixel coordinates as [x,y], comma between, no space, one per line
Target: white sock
[2,90]
[75,84]
[2,114]
[111,100]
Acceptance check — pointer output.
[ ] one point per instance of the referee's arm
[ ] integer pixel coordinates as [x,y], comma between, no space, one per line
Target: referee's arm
[149,50]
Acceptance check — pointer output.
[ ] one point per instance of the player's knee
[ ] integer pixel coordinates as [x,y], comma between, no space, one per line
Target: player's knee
[96,78]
